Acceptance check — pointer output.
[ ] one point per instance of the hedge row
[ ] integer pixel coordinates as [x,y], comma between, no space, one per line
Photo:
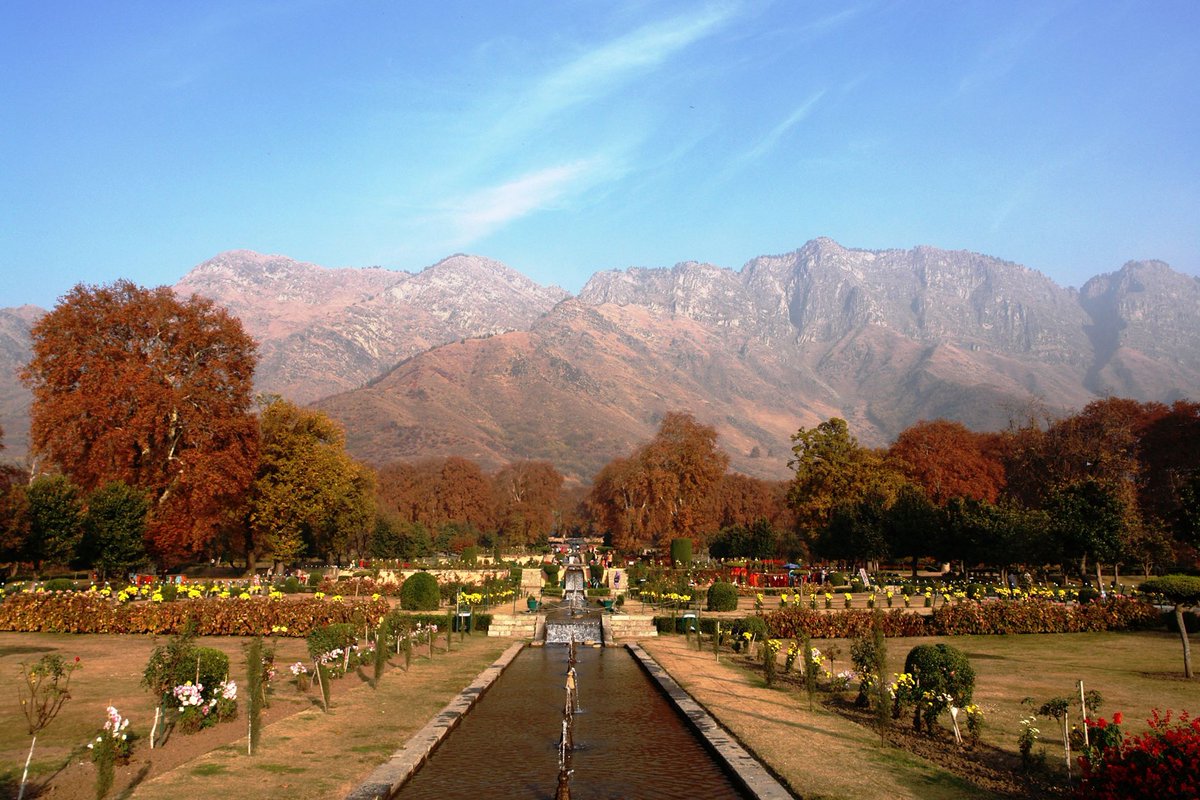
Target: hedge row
[991,617]
[84,612]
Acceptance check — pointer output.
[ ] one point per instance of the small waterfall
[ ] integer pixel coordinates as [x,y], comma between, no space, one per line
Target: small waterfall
[574,621]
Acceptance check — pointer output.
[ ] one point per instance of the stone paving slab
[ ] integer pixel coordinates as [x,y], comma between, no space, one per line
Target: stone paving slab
[387,778]
[753,776]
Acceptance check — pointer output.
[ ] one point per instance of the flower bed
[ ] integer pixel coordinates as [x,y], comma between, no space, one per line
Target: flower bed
[1033,615]
[84,612]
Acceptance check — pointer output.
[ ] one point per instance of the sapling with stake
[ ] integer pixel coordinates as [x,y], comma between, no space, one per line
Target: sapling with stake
[42,691]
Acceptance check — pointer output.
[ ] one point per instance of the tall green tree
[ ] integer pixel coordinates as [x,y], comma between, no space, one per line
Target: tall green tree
[1089,521]
[114,529]
[55,516]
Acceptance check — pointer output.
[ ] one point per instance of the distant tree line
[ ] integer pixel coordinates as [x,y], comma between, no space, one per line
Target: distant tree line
[149,445]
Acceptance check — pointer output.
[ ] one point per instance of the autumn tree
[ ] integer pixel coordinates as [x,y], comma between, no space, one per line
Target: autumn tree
[947,460]
[308,491]
[742,500]
[526,499]
[1169,484]
[832,469]
[136,385]
[14,514]
[619,502]
[666,490]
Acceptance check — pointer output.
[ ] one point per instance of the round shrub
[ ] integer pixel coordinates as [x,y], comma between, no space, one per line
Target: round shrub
[722,596]
[976,591]
[857,586]
[551,572]
[1087,594]
[835,579]
[941,668]
[291,585]
[681,551]
[419,592]
[470,555]
[314,579]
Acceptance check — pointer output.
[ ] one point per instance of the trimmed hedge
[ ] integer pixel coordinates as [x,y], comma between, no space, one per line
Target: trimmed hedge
[86,612]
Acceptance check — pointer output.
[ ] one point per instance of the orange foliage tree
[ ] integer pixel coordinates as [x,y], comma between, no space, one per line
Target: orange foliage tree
[668,489]
[437,492]
[134,385]
[526,498]
[947,460]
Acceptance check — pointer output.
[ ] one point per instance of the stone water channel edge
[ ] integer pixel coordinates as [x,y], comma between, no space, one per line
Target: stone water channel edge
[387,780]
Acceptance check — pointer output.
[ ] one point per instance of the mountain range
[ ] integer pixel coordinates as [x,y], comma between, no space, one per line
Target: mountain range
[469,357]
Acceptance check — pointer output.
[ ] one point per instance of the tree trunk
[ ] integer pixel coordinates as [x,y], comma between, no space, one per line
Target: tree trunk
[1099,580]
[1183,635]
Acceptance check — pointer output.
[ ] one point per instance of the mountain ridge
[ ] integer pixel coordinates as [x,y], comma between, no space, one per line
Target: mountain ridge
[470,357]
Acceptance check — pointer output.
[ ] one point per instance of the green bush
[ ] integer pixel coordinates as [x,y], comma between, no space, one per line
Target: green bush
[681,551]
[169,591]
[290,585]
[210,664]
[836,579]
[1183,589]
[1087,594]
[600,591]
[722,596]
[755,626]
[857,586]
[976,591]
[314,579]
[419,592]
[470,555]
[327,638]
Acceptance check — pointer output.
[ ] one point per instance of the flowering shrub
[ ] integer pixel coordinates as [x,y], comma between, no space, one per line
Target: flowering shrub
[196,711]
[91,612]
[1156,764]
[114,745]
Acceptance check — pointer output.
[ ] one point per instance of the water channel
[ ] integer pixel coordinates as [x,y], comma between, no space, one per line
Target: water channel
[630,742]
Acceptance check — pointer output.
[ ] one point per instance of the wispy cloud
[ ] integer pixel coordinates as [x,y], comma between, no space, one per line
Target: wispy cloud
[1007,49]
[478,213]
[769,141]
[604,68]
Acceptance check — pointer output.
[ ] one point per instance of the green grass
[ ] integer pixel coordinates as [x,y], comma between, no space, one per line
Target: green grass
[204,770]
[280,769]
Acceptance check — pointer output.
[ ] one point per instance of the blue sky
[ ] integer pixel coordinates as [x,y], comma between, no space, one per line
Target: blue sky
[565,137]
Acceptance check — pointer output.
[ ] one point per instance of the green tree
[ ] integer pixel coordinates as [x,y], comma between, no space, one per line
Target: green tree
[114,529]
[1088,520]
[55,514]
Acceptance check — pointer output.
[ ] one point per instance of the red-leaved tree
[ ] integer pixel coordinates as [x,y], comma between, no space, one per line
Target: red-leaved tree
[134,385]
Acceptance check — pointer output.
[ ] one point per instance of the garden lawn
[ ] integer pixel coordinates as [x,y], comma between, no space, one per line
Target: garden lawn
[817,753]
[820,756]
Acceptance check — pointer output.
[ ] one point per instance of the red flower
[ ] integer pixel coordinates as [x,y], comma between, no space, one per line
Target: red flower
[1118,718]
[1102,723]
